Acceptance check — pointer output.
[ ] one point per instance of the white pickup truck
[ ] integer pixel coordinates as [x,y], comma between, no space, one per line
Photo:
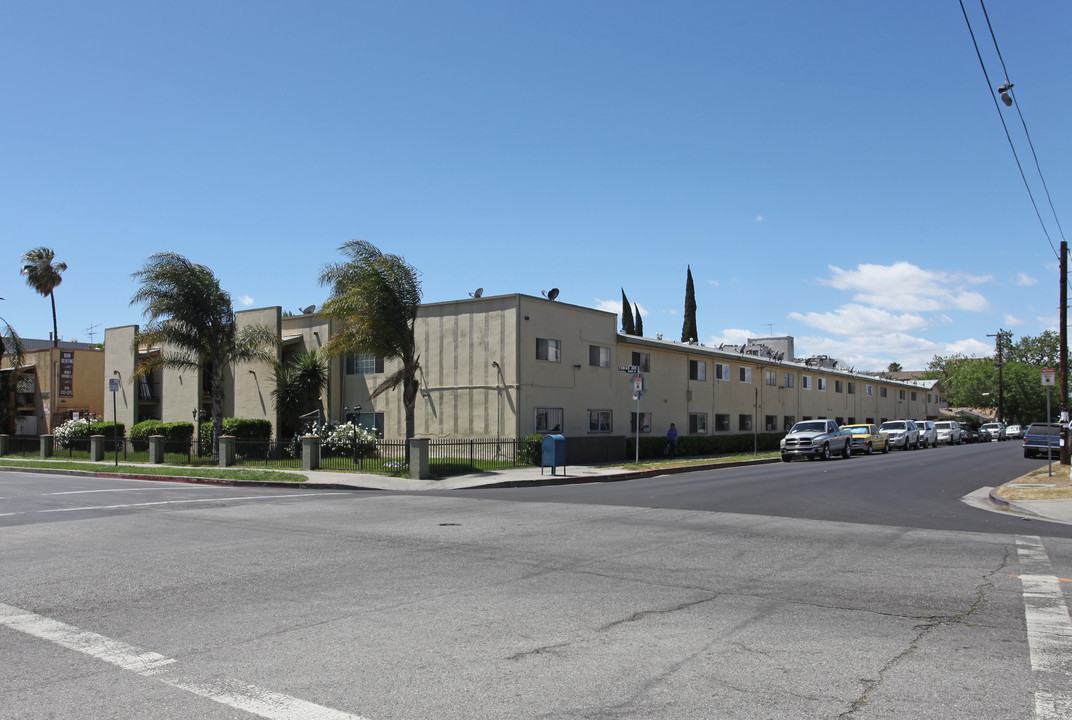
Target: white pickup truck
[816,438]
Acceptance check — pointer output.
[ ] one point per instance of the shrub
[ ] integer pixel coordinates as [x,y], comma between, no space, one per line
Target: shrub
[140,433]
[531,452]
[351,441]
[82,428]
[699,445]
[241,428]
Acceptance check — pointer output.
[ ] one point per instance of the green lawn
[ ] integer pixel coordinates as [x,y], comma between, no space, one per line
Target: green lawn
[238,474]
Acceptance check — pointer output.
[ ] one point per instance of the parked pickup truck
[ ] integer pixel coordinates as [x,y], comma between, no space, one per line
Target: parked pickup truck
[816,438]
[1042,439]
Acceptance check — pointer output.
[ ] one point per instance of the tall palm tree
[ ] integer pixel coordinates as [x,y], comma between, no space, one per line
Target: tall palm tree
[192,322]
[298,385]
[44,276]
[377,297]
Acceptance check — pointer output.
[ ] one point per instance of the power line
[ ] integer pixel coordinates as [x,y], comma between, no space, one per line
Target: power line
[1008,136]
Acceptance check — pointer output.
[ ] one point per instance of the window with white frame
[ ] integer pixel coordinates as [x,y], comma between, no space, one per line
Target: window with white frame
[697,423]
[549,350]
[805,382]
[598,356]
[746,374]
[643,360]
[645,422]
[722,371]
[869,390]
[771,377]
[599,421]
[697,370]
[548,420]
[822,384]
[363,364]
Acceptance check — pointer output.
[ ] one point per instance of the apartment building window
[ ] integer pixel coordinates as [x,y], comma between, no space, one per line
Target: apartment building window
[548,420]
[697,423]
[790,380]
[788,422]
[822,384]
[770,423]
[928,398]
[900,394]
[746,374]
[599,421]
[913,396]
[882,393]
[744,422]
[372,421]
[852,390]
[364,364]
[642,360]
[645,422]
[598,356]
[722,422]
[839,386]
[771,377]
[722,371]
[697,370]
[839,420]
[852,420]
[549,350]
[869,390]
[805,382]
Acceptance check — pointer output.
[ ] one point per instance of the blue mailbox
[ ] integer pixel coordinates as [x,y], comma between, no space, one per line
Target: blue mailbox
[554,453]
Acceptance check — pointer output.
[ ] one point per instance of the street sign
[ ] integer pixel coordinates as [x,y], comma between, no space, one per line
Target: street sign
[638,385]
[633,369]
[113,385]
[1049,377]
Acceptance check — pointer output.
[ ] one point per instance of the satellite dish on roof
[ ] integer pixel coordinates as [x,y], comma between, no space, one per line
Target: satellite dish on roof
[550,294]
[309,310]
[477,293]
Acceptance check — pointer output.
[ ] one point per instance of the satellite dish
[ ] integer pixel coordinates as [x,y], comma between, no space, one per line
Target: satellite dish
[550,294]
[308,310]
[477,293]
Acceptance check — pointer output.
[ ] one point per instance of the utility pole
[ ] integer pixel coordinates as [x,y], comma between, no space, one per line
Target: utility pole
[1063,401]
[1000,339]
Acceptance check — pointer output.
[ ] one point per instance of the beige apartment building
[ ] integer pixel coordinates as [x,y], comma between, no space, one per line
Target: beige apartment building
[55,385]
[513,365]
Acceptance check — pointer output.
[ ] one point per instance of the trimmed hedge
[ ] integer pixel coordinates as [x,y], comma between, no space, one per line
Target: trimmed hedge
[241,428]
[698,445]
[173,432]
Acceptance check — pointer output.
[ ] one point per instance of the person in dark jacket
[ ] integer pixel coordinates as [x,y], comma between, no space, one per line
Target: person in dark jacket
[671,441]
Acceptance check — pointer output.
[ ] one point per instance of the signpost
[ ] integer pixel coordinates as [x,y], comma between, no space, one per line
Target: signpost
[113,385]
[1049,379]
[638,392]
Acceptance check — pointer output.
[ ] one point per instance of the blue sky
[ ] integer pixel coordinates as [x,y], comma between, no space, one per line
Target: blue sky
[835,171]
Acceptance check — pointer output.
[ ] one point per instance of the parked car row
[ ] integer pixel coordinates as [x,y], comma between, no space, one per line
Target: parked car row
[824,438]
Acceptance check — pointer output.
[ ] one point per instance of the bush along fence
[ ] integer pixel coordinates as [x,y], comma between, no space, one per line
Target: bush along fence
[425,457]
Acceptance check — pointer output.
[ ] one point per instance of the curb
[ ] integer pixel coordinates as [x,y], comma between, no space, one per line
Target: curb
[618,477]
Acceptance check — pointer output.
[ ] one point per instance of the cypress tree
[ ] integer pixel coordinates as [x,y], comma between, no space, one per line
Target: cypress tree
[688,329]
[639,321]
[627,316]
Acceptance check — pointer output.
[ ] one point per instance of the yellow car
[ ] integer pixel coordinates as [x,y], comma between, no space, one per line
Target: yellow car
[867,439]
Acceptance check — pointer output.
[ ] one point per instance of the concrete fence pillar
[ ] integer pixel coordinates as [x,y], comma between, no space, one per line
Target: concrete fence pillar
[48,445]
[310,452]
[418,459]
[227,450]
[156,449]
[96,448]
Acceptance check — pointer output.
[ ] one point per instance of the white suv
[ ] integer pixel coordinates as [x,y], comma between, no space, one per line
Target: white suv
[928,434]
[949,432]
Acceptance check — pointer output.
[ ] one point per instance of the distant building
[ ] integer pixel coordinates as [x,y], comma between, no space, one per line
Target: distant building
[55,385]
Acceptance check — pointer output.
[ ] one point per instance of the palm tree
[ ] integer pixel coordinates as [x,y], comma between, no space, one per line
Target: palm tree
[10,346]
[191,320]
[377,297]
[44,276]
[298,385]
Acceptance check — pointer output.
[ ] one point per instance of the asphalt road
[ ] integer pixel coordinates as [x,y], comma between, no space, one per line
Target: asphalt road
[124,599]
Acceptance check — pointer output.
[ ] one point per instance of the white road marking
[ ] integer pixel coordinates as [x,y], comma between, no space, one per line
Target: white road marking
[1049,630]
[159,502]
[241,696]
[149,489]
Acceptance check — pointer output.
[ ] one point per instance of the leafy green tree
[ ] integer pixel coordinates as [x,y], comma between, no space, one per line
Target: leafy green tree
[894,367]
[44,275]
[376,296]
[298,385]
[1043,351]
[192,322]
[688,329]
[628,326]
[638,321]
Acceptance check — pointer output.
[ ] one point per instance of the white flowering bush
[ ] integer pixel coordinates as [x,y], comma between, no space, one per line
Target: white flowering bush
[351,440]
[70,431]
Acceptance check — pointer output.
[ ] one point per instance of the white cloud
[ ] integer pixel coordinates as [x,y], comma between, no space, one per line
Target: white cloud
[913,353]
[245,301]
[1012,321]
[859,320]
[730,336]
[1025,280]
[611,306]
[713,282]
[759,218]
[906,287]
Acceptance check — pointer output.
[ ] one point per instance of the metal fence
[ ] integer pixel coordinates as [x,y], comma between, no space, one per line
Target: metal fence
[268,453]
[446,456]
